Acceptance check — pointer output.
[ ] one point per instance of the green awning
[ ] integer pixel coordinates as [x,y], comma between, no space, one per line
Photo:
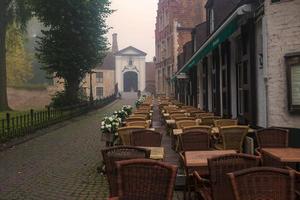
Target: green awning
[211,45]
[219,36]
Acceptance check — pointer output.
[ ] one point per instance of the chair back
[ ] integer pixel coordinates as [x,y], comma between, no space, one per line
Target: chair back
[146,179]
[132,119]
[194,141]
[208,120]
[272,137]
[173,116]
[221,165]
[184,123]
[200,128]
[138,123]
[117,153]
[125,133]
[225,122]
[146,138]
[233,137]
[204,114]
[144,116]
[263,183]
[183,118]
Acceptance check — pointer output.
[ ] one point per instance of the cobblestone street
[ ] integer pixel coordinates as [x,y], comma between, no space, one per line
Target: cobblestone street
[61,164]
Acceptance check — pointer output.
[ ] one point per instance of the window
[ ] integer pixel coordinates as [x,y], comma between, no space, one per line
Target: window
[99,77]
[99,92]
[293,81]
[130,62]
[211,20]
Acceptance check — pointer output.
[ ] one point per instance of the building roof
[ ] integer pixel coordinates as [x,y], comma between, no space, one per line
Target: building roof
[108,62]
[130,51]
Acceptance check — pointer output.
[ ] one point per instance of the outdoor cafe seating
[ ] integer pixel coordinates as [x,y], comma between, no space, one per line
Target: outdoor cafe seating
[211,155]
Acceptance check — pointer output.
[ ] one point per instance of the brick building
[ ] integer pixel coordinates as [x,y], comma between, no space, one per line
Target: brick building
[174,22]
[247,65]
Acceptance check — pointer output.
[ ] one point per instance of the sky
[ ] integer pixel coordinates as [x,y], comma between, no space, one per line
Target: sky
[134,22]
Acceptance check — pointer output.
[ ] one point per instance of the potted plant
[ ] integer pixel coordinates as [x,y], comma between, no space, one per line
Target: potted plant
[109,128]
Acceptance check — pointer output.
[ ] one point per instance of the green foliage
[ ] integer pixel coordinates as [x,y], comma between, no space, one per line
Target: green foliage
[74,40]
[18,61]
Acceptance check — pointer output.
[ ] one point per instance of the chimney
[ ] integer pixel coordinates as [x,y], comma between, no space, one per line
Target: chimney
[115,48]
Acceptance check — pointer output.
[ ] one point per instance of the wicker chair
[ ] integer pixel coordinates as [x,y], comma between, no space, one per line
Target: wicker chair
[142,179]
[263,183]
[183,118]
[146,138]
[225,122]
[117,153]
[172,116]
[218,185]
[208,120]
[232,137]
[192,141]
[145,124]
[197,128]
[133,119]
[184,123]
[204,114]
[272,137]
[145,116]
[125,133]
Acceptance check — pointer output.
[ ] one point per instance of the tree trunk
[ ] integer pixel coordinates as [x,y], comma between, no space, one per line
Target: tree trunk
[71,89]
[3,80]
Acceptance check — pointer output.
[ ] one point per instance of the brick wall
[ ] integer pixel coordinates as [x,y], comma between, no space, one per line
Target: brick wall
[283,36]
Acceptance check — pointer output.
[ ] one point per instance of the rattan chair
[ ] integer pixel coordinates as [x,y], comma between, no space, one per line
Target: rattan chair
[133,119]
[232,137]
[204,114]
[145,116]
[172,116]
[263,183]
[183,118]
[146,138]
[125,133]
[143,179]
[117,153]
[217,187]
[138,123]
[184,123]
[272,138]
[193,141]
[225,122]
[209,120]
[197,128]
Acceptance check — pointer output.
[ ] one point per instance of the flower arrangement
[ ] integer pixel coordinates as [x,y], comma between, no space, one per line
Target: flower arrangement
[122,114]
[139,101]
[127,109]
[110,124]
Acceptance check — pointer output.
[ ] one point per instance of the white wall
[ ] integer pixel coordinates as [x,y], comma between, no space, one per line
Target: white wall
[139,62]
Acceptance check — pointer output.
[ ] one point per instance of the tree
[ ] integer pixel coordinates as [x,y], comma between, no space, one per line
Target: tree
[74,41]
[19,68]
[10,10]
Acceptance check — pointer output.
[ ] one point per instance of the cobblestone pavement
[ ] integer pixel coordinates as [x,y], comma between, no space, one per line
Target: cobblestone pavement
[58,165]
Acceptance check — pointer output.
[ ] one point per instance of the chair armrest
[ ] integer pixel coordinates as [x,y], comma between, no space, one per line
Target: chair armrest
[202,182]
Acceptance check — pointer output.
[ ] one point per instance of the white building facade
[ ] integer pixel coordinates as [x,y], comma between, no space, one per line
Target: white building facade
[130,74]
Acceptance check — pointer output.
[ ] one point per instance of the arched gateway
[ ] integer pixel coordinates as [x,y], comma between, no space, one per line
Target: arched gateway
[130,70]
[130,82]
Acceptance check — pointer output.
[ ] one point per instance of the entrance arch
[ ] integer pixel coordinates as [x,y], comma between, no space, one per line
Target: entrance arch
[130,81]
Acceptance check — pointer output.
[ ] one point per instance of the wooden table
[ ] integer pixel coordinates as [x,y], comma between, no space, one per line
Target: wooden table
[157,153]
[286,155]
[197,160]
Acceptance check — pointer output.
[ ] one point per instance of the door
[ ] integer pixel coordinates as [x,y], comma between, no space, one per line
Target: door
[130,82]
[205,84]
